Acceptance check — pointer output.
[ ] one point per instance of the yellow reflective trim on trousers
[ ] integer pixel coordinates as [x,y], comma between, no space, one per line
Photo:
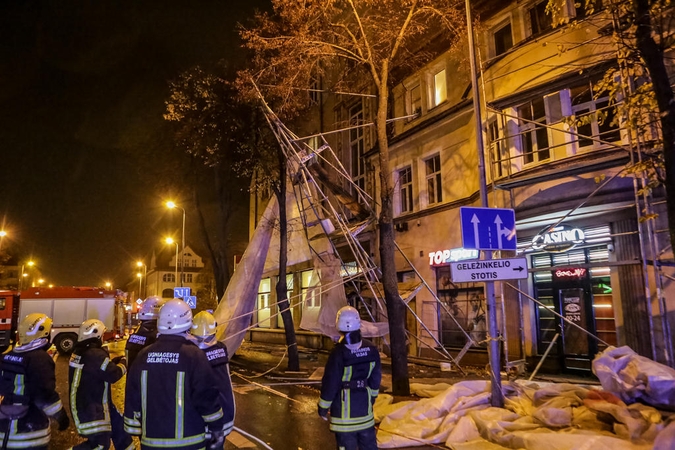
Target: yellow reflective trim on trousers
[180,404]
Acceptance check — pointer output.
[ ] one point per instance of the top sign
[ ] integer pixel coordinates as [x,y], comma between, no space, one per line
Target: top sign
[488,228]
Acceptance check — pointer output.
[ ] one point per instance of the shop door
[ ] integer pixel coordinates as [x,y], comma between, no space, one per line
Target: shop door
[575,307]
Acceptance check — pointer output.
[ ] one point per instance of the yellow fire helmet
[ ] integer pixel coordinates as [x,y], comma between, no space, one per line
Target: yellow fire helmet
[34,326]
[204,324]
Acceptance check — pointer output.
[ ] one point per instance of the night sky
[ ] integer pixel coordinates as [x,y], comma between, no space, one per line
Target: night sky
[82,91]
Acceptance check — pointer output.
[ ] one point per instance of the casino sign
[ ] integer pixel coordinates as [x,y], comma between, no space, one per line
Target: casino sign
[559,239]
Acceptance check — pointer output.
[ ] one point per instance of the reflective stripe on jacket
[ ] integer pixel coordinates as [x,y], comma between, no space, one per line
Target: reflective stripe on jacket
[90,375]
[27,378]
[350,384]
[170,395]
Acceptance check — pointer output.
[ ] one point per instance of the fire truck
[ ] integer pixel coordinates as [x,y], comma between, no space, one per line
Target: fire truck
[68,307]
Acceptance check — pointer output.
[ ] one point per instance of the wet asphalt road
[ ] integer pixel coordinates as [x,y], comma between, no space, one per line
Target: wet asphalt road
[276,414]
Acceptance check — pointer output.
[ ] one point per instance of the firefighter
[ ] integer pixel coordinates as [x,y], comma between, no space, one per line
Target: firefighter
[171,397]
[90,376]
[204,330]
[28,388]
[146,333]
[350,385]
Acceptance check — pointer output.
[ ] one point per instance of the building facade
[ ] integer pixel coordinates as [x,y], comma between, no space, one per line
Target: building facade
[596,247]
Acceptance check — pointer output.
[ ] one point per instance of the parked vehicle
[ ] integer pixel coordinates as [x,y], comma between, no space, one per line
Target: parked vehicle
[67,306]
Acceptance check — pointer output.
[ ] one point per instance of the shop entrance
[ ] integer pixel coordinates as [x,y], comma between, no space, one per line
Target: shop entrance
[582,295]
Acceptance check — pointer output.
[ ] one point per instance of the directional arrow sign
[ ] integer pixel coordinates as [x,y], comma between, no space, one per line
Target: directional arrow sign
[488,228]
[489,270]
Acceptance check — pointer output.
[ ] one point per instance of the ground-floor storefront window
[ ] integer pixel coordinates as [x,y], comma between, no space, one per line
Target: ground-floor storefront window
[462,310]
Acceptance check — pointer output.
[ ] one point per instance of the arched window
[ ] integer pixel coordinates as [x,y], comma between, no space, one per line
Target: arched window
[167,293]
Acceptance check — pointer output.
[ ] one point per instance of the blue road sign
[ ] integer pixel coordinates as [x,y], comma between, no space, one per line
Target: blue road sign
[181,292]
[488,228]
[191,300]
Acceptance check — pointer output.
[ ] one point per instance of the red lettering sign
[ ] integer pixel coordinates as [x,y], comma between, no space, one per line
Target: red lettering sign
[574,273]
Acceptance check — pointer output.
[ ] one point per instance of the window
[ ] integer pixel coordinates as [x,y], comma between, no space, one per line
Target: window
[357,145]
[433,174]
[291,301]
[311,295]
[503,39]
[594,117]
[187,277]
[534,137]
[194,263]
[264,290]
[414,99]
[496,148]
[440,88]
[314,91]
[540,22]
[405,189]
[169,278]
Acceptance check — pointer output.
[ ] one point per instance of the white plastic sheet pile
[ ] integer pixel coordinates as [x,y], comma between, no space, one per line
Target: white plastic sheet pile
[536,416]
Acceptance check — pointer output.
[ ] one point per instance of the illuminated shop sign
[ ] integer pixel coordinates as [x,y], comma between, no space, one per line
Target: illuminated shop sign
[572,273]
[441,257]
[560,239]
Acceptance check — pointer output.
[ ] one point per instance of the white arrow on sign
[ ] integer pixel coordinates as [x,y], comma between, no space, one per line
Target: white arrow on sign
[489,270]
[476,236]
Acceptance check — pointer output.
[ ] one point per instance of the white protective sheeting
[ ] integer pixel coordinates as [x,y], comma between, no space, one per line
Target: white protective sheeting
[535,416]
[326,284]
[634,378]
[235,309]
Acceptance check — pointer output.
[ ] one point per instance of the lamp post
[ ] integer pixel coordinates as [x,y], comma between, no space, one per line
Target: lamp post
[23,274]
[143,292]
[172,205]
[170,241]
[140,284]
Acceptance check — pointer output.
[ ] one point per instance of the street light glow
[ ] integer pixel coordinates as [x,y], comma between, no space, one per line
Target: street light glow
[169,240]
[3,233]
[170,204]
[108,284]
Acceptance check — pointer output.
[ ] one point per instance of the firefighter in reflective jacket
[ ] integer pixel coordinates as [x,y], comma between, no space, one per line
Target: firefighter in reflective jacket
[28,388]
[350,385]
[146,333]
[91,374]
[204,330]
[171,397]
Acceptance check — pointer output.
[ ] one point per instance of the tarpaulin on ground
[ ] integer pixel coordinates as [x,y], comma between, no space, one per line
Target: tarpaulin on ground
[634,378]
[535,416]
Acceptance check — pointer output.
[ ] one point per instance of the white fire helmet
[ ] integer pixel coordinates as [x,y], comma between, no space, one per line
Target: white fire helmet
[92,328]
[348,319]
[204,324]
[34,326]
[149,309]
[175,316]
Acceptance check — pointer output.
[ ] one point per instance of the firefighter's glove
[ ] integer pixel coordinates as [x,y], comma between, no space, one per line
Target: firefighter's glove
[217,440]
[323,413]
[120,360]
[62,419]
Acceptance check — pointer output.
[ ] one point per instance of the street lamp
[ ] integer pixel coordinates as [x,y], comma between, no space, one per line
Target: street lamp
[140,284]
[23,274]
[172,205]
[170,241]
[3,233]
[140,264]
[108,285]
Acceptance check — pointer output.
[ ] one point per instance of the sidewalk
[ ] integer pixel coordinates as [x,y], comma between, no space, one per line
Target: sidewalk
[272,360]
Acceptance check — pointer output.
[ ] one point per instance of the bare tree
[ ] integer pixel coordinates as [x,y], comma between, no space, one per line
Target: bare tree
[357,43]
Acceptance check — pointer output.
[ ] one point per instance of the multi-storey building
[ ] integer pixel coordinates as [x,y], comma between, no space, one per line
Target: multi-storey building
[579,214]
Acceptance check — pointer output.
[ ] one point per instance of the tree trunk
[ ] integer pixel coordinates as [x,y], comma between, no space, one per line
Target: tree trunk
[396,309]
[282,286]
[652,55]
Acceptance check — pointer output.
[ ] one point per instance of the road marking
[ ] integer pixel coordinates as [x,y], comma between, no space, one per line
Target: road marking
[240,441]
